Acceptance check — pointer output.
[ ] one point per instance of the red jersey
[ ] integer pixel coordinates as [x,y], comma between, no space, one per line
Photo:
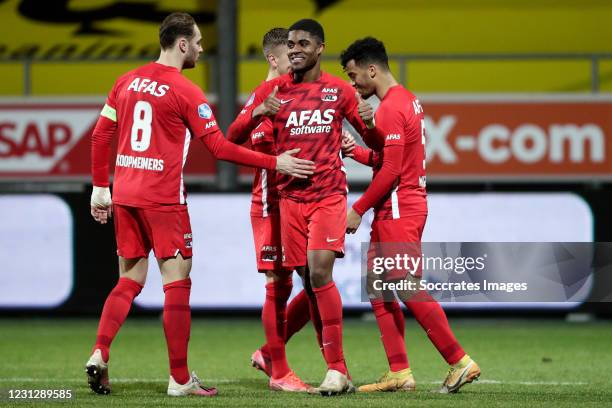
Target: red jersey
[264,196]
[400,117]
[156,106]
[310,118]
[155,110]
[264,200]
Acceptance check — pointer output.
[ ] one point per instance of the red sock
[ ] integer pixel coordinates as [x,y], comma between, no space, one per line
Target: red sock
[329,304]
[116,309]
[315,318]
[177,326]
[390,321]
[298,314]
[274,319]
[432,319]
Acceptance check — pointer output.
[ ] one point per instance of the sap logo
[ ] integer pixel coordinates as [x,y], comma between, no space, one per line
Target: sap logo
[210,124]
[310,117]
[394,136]
[257,135]
[329,98]
[146,86]
[330,90]
[17,140]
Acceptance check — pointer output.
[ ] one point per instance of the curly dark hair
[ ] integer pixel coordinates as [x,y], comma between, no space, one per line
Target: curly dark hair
[366,51]
[310,26]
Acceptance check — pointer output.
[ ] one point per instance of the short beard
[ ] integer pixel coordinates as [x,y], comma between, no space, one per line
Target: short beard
[190,61]
[302,71]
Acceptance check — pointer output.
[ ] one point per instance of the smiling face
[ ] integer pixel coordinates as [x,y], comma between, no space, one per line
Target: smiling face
[304,50]
[193,48]
[362,78]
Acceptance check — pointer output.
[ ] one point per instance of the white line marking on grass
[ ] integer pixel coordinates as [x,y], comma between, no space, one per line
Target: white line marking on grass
[115,380]
[234,381]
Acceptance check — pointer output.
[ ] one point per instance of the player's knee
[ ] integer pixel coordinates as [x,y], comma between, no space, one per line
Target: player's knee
[319,276]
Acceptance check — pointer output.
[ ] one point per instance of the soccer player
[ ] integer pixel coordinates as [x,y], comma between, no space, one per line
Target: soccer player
[397,194]
[307,108]
[156,111]
[280,321]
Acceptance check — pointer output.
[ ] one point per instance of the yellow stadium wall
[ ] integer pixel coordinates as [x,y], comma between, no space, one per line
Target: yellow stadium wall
[410,26]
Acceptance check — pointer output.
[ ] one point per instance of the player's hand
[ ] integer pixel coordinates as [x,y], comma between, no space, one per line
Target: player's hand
[366,112]
[286,163]
[353,220]
[101,204]
[270,106]
[348,144]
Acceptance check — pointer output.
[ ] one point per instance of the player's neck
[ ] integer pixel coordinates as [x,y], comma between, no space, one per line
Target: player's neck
[384,84]
[171,60]
[313,74]
[272,73]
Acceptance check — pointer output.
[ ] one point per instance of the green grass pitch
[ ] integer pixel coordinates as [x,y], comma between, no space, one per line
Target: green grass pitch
[524,363]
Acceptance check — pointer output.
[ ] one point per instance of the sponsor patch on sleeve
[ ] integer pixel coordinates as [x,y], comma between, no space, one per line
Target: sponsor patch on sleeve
[204,111]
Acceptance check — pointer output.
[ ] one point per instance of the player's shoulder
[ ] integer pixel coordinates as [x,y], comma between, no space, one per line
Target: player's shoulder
[186,88]
[281,81]
[398,98]
[129,76]
[334,81]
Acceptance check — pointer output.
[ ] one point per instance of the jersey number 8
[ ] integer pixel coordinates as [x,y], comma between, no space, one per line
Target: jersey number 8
[143,116]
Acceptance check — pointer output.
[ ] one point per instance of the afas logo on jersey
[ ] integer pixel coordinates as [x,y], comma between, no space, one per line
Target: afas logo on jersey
[394,136]
[308,122]
[204,111]
[210,124]
[329,94]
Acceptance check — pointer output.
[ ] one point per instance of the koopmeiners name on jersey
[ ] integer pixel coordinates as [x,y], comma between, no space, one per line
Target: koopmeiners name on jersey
[142,163]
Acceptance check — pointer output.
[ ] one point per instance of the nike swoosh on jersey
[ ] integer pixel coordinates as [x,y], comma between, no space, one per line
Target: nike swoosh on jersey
[331,240]
[283,101]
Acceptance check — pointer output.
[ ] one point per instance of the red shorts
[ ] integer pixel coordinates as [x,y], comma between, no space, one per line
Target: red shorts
[311,226]
[165,229]
[390,238]
[267,238]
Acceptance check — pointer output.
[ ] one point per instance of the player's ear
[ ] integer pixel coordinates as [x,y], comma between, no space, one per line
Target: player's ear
[272,60]
[320,48]
[182,44]
[372,70]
